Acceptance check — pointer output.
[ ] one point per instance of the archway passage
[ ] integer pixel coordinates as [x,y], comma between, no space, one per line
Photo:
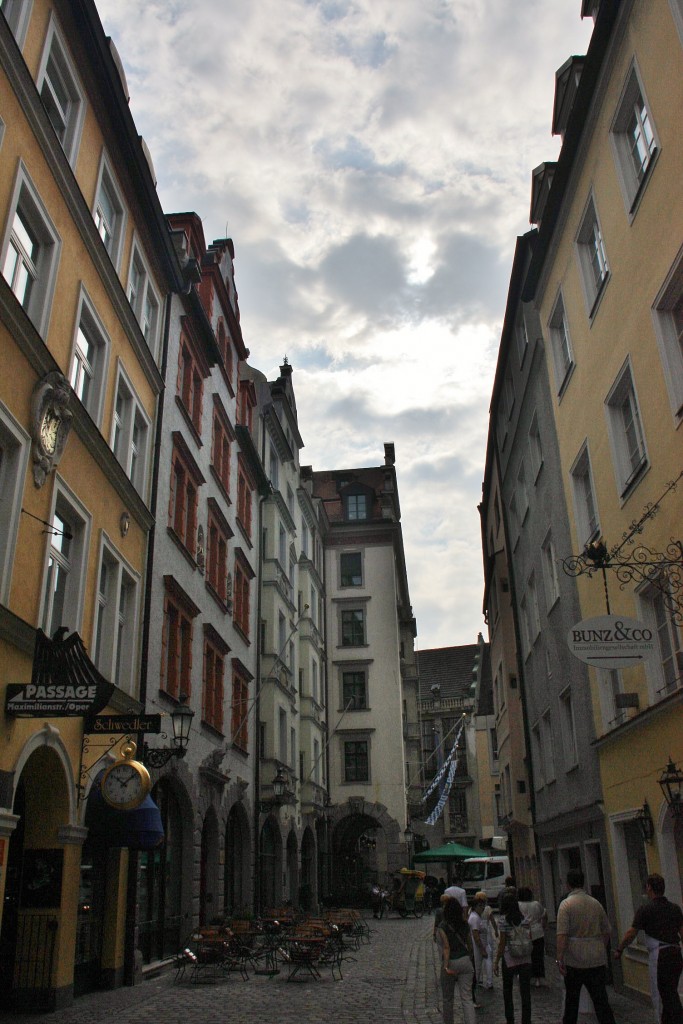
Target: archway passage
[208,869]
[160,882]
[292,889]
[308,890]
[236,881]
[34,923]
[270,867]
[359,858]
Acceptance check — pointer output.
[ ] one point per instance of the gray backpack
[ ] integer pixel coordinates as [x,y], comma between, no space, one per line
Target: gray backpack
[519,941]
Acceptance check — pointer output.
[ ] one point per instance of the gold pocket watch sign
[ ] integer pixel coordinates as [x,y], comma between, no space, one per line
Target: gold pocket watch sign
[126,782]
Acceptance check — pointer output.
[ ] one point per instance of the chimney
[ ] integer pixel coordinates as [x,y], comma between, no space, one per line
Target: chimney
[389,455]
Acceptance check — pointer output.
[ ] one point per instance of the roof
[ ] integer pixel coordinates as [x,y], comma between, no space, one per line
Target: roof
[453,670]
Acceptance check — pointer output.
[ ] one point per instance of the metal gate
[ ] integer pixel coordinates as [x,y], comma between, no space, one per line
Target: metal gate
[32,987]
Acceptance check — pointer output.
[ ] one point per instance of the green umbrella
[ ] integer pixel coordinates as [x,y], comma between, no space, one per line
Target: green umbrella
[451,851]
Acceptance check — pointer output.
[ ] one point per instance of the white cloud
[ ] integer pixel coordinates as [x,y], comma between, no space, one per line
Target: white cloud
[372,162]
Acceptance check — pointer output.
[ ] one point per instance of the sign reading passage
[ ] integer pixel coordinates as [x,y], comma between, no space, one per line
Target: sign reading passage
[611,641]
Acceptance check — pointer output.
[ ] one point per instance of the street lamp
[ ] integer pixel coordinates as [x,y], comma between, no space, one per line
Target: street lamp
[279,785]
[645,823]
[671,781]
[181,722]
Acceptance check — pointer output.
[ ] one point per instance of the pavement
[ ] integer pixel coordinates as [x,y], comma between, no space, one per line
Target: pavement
[394,980]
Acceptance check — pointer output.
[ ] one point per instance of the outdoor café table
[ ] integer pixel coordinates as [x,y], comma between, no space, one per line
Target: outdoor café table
[304,953]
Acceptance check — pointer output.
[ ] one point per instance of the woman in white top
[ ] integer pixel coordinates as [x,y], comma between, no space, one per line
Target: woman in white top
[537,916]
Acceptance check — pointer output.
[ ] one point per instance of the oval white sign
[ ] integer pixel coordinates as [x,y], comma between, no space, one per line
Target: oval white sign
[612,641]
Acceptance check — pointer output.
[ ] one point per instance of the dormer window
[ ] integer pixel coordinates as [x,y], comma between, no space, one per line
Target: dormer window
[356,506]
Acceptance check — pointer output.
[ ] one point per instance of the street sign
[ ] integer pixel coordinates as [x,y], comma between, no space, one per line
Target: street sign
[123,724]
[611,641]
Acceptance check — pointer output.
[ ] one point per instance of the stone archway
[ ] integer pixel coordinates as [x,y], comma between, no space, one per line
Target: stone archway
[270,865]
[292,869]
[236,879]
[308,889]
[366,846]
[208,870]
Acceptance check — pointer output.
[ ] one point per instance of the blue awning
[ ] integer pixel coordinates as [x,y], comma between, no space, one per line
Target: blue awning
[139,829]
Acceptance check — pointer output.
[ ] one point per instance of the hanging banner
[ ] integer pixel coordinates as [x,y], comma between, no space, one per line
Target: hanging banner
[611,641]
[438,810]
[444,767]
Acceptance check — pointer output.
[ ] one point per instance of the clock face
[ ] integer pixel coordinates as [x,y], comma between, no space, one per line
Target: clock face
[48,431]
[125,785]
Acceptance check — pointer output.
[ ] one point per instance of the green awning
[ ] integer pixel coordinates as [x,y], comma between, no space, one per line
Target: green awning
[451,851]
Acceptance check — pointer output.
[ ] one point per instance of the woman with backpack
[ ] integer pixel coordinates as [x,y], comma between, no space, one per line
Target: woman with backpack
[514,949]
[453,936]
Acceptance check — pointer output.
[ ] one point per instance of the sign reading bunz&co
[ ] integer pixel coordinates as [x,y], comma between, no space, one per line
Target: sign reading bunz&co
[611,641]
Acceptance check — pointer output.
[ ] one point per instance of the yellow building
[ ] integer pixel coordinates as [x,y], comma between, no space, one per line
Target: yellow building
[607,279]
[87,264]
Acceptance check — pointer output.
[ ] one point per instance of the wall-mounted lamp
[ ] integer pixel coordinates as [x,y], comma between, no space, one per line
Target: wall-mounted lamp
[671,781]
[645,823]
[435,690]
[279,785]
[181,720]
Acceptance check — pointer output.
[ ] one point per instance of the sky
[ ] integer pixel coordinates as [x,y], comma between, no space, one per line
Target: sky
[371,160]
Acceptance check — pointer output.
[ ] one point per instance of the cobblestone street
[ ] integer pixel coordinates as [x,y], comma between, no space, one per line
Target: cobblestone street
[393,980]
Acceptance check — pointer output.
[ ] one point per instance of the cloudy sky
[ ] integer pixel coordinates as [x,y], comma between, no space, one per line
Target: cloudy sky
[371,160]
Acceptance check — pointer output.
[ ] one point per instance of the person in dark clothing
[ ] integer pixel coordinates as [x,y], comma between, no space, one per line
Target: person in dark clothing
[455,940]
[515,961]
[662,922]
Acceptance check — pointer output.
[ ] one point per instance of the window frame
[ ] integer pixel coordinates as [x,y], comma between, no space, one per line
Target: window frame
[670,341]
[561,345]
[650,598]
[115,653]
[222,439]
[570,744]
[535,448]
[135,462]
[342,576]
[633,180]
[218,533]
[592,256]
[55,49]
[98,337]
[25,198]
[177,600]
[581,472]
[64,498]
[623,391]
[356,777]
[245,498]
[551,578]
[15,448]
[138,300]
[239,728]
[344,619]
[183,496]
[349,669]
[18,18]
[242,577]
[106,180]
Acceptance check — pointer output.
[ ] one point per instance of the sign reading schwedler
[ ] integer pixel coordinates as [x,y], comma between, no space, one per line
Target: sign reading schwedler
[611,641]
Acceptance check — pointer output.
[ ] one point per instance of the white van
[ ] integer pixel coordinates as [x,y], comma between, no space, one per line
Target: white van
[484,874]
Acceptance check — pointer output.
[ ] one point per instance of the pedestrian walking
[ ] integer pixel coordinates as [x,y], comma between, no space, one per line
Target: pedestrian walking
[479,930]
[538,918]
[454,937]
[492,936]
[514,950]
[582,936]
[662,923]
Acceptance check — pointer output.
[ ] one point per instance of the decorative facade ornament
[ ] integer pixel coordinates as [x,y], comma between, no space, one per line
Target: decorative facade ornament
[201,557]
[50,423]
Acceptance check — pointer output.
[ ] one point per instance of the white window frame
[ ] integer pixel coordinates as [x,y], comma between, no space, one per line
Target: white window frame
[15,446]
[667,309]
[669,642]
[73,114]
[114,642]
[535,448]
[122,444]
[89,323]
[146,296]
[550,577]
[522,337]
[624,424]
[63,499]
[534,617]
[106,180]
[610,683]
[549,766]
[634,169]
[560,344]
[18,15]
[568,727]
[25,199]
[523,495]
[592,256]
[583,491]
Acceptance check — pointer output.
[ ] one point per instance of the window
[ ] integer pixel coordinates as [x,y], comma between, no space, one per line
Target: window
[14,454]
[521,336]
[587,524]
[89,359]
[60,92]
[244,499]
[68,538]
[282,734]
[522,494]
[315,689]
[611,689]
[116,619]
[457,810]
[592,256]
[534,619]
[668,317]
[356,506]
[525,623]
[176,642]
[241,605]
[356,762]
[109,212]
[352,627]
[274,467]
[633,139]
[563,359]
[355,690]
[626,432]
[550,577]
[493,745]
[215,651]
[240,707]
[316,762]
[548,748]
[30,252]
[351,569]
[537,761]
[144,299]
[186,480]
[571,753]
[535,448]
[218,533]
[190,384]
[225,348]
[130,434]
[666,669]
[221,437]
[304,539]
[17,13]
[493,601]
